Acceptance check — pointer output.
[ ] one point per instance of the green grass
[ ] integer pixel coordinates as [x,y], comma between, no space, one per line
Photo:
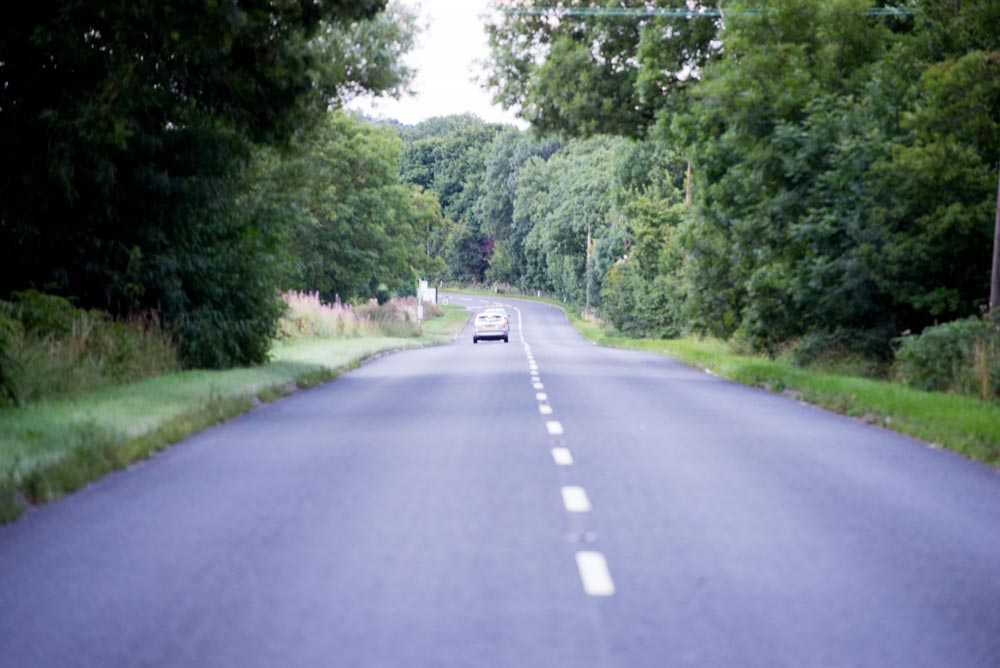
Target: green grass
[53,447]
[963,424]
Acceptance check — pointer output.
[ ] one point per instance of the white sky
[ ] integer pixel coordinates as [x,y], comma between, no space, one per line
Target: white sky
[445,58]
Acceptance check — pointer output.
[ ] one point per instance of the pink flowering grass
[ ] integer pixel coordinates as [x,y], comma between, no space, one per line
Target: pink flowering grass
[309,317]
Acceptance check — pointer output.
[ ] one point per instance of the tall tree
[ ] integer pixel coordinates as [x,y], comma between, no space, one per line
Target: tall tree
[126,128]
[447,157]
[582,68]
[354,225]
[495,206]
[568,202]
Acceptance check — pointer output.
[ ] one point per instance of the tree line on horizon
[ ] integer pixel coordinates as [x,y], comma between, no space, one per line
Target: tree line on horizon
[814,177]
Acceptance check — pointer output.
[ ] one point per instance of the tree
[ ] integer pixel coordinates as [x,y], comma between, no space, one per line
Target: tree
[355,226]
[580,70]
[447,157]
[783,133]
[495,206]
[938,254]
[564,201]
[127,129]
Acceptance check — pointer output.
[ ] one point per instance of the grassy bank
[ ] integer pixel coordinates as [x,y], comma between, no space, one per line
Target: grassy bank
[52,447]
[963,424]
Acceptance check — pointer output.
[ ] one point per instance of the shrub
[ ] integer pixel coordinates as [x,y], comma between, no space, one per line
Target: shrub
[51,349]
[10,332]
[396,318]
[961,357]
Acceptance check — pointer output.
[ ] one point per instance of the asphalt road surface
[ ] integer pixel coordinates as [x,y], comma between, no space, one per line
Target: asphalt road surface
[540,503]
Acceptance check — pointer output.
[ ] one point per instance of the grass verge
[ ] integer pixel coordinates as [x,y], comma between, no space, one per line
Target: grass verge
[963,424]
[50,448]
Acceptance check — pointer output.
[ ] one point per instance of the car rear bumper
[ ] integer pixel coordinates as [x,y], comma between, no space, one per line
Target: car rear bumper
[490,334]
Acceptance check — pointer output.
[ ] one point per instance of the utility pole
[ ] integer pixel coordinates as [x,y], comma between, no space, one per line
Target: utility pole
[995,275]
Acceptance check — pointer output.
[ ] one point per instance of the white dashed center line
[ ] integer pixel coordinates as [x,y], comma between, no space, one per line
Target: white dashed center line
[576,500]
[595,574]
[593,567]
[562,456]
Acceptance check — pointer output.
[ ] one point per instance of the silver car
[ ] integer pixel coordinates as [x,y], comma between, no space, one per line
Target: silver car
[493,323]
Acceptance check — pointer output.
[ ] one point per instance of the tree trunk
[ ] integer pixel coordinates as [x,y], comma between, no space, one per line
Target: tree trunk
[687,185]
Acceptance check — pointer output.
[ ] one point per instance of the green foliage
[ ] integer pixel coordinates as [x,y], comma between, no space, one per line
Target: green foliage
[11,331]
[52,349]
[961,357]
[52,447]
[963,424]
[127,129]
[838,170]
[447,157]
[355,227]
[942,179]
[562,199]
[495,207]
[585,75]
[465,254]
[41,314]
[643,293]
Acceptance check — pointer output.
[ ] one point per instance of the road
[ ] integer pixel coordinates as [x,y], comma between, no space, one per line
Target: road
[541,503]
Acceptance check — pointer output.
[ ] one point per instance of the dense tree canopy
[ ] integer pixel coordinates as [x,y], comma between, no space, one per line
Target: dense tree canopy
[821,174]
[447,157]
[126,129]
[582,68]
[354,225]
[806,175]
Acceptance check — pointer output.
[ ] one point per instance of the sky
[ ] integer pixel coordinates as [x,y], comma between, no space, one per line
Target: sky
[445,57]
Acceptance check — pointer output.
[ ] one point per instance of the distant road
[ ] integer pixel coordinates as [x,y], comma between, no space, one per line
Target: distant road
[542,503]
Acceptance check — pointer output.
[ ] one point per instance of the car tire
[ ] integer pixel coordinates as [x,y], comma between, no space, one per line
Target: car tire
[475,340]
[505,339]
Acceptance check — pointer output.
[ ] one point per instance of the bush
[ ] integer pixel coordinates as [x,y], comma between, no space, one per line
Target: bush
[638,307]
[10,332]
[395,318]
[961,357]
[52,349]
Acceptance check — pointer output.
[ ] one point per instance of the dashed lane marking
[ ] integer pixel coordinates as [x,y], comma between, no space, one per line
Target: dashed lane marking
[594,573]
[541,396]
[545,409]
[576,500]
[554,426]
[562,456]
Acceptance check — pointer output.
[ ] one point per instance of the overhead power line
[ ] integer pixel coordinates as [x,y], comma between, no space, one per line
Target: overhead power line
[652,12]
